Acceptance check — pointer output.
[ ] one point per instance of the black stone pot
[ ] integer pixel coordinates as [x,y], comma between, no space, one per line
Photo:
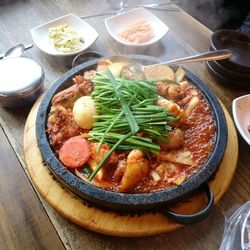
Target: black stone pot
[135,202]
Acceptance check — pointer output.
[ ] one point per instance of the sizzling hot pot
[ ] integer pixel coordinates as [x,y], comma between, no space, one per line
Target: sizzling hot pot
[158,200]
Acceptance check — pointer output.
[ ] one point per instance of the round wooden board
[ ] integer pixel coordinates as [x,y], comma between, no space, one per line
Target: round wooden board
[78,211]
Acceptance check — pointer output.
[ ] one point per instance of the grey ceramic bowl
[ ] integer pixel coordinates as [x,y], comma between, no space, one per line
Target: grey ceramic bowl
[135,202]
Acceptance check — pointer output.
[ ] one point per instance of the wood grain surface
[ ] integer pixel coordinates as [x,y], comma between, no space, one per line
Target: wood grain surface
[186,36]
[19,207]
[111,223]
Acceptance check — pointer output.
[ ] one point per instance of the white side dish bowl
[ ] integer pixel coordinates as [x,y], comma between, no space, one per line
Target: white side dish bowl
[241,115]
[40,34]
[118,23]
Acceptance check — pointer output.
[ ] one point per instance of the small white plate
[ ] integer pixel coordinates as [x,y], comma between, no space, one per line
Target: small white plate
[119,22]
[40,34]
[241,115]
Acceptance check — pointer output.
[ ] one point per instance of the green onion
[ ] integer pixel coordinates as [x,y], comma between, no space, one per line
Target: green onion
[108,129]
[132,122]
[124,108]
[124,137]
[87,171]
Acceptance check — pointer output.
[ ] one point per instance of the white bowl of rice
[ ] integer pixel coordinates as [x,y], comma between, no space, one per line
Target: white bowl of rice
[136,27]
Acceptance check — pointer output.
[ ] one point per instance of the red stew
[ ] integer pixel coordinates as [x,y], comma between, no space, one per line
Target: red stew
[189,145]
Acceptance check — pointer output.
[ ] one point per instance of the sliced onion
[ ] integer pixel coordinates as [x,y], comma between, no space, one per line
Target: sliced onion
[79,173]
[156,177]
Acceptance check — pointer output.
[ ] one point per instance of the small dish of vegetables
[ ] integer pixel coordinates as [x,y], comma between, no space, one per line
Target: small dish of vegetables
[65,36]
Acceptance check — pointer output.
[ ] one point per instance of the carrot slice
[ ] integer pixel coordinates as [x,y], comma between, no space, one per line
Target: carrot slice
[75,152]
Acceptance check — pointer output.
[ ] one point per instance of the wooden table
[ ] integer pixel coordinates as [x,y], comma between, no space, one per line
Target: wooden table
[27,221]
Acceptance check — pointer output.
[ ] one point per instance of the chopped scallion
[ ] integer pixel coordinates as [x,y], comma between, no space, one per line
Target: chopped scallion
[124,108]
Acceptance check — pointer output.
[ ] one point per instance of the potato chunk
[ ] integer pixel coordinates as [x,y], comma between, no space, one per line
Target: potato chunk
[83,112]
[137,168]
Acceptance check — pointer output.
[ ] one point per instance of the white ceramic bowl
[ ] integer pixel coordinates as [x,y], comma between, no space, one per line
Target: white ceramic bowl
[241,115]
[116,24]
[41,39]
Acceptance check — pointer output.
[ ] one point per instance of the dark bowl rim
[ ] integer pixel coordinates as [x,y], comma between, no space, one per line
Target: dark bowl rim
[236,34]
[117,200]
[228,73]
[225,80]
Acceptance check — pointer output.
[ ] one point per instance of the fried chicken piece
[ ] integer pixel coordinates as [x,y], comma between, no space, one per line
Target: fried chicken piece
[68,96]
[61,126]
